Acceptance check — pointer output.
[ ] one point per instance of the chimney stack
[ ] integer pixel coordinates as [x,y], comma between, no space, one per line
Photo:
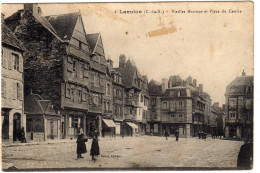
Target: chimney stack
[164,84]
[33,8]
[201,87]
[122,60]
[195,82]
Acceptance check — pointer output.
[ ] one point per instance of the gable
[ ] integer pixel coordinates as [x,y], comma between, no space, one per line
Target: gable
[79,31]
[99,47]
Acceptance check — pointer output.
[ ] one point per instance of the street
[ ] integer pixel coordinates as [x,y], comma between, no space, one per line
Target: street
[129,152]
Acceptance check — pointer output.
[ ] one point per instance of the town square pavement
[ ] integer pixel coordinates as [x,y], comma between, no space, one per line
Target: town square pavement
[129,152]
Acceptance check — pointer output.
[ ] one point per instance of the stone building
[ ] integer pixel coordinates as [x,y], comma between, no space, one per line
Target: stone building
[42,122]
[108,125]
[154,119]
[219,117]
[118,99]
[57,63]
[98,71]
[12,113]
[239,107]
[132,80]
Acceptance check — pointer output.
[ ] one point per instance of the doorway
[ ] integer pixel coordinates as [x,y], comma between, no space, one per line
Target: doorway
[16,126]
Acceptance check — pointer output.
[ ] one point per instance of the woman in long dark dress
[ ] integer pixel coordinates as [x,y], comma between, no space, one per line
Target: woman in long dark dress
[94,147]
[81,146]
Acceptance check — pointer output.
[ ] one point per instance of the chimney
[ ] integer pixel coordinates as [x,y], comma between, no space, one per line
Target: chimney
[2,18]
[201,87]
[189,80]
[243,73]
[164,84]
[36,11]
[122,60]
[195,82]
[110,62]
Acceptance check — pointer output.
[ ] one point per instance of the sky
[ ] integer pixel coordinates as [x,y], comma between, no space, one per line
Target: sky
[214,48]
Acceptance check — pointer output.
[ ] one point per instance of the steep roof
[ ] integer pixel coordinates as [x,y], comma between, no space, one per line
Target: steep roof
[154,88]
[63,24]
[242,80]
[175,78]
[34,104]
[9,38]
[128,72]
[215,107]
[92,40]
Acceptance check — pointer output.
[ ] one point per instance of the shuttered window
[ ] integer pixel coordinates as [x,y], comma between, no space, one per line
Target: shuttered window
[4,57]
[9,57]
[20,63]
[16,64]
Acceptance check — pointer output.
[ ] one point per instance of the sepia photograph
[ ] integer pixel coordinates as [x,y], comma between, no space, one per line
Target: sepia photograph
[127,86]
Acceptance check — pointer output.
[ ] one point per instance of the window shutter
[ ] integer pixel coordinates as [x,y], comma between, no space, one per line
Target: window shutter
[20,63]
[10,62]
[21,91]
[4,54]
[14,91]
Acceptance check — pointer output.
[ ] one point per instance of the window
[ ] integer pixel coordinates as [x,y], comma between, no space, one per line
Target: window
[80,45]
[74,68]
[142,98]
[81,70]
[120,94]
[72,95]
[84,95]
[180,115]
[172,115]
[164,105]
[171,93]
[79,96]
[108,106]
[153,101]
[232,115]
[68,90]
[108,89]
[96,80]
[4,89]
[16,61]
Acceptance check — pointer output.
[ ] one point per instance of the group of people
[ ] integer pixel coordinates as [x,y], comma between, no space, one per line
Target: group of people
[176,133]
[81,146]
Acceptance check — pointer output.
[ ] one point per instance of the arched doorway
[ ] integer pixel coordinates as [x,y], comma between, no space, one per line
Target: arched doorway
[16,126]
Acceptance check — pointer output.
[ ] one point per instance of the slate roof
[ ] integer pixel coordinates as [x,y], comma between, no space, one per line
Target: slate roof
[34,104]
[154,88]
[63,24]
[242,80]
[92,40]
[9,38]
[127,73]
[216,108]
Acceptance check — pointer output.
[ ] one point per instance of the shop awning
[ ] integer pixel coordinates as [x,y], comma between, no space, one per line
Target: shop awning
[109,123]
[132,125]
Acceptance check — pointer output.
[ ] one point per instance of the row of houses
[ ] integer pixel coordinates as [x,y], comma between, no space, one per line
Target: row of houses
[57,82]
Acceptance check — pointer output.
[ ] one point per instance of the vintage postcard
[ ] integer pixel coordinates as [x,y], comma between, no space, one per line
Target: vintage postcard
[127,86]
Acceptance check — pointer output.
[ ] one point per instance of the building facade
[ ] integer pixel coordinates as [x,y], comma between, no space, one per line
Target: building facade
[12,112]
[239,107]
[58,51]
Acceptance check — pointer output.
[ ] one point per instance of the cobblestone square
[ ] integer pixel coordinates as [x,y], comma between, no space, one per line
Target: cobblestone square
[129,152]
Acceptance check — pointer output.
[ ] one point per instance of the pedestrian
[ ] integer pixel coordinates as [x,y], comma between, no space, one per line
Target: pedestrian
[122,133]
[166,134]
[22,135]
[245,156]
[177,134]
[94,147]
[81,146]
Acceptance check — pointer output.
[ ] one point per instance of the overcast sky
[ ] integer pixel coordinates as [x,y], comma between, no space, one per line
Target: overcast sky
[214,48]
